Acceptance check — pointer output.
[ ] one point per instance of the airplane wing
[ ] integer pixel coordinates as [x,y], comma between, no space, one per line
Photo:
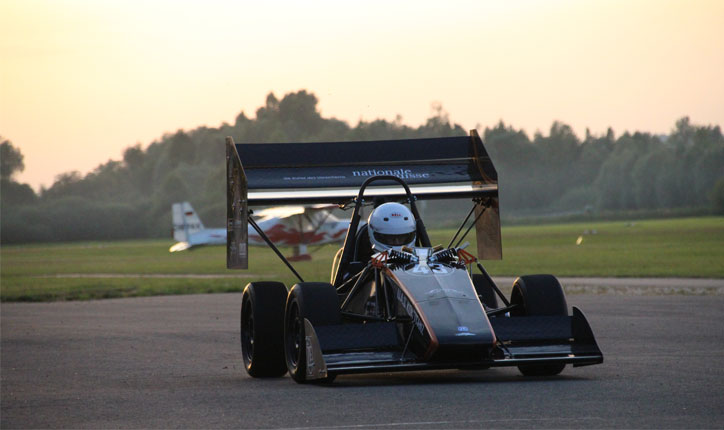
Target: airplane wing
[282,212]
[180,246]
[299,225]
[279,212]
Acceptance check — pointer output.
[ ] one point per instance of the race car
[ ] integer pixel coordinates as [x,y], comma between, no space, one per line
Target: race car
[394,301]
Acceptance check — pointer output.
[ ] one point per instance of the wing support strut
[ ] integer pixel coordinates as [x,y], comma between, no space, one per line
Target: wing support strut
[482,211]
[492,284]
[449,245]
[273,247]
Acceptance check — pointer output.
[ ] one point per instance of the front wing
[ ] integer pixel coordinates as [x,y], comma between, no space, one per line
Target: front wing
[378,347]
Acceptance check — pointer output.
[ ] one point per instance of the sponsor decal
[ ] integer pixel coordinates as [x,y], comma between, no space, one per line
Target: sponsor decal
[313,178]
[410,310]
[400,173]
[424,269]
[238,250]
[446,292]
[310,356]
[464,331]
[191,226]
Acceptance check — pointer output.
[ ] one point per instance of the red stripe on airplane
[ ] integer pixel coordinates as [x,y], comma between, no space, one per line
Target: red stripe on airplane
[281,235]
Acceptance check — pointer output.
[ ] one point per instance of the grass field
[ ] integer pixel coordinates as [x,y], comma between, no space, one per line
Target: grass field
[684,247]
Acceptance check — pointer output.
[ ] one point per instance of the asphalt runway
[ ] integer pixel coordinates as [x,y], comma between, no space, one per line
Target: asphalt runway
[169,362]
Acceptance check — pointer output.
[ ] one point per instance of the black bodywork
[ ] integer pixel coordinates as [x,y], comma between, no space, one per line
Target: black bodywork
[419,309]
[414,308]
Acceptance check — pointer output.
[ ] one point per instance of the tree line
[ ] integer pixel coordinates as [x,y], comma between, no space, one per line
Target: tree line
[556,172]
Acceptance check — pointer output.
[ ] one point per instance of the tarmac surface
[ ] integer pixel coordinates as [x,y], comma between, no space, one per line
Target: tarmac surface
[174,361]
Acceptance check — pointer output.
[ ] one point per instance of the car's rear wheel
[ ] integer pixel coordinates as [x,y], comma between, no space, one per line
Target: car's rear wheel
[539,295]
[317,302]
[262,329]
[485,291]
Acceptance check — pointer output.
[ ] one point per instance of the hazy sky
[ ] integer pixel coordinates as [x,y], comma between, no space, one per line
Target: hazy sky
[82,80]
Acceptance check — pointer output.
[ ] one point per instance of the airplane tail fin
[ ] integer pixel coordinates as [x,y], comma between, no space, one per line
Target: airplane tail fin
[185,221]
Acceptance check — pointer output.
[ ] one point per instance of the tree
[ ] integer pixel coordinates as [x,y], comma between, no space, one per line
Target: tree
[518,163]
[13,193]
[134,157]
[66,184]
[299,115]
[180,149]
[717,196]
[553,173]
[439,124]
[11,160]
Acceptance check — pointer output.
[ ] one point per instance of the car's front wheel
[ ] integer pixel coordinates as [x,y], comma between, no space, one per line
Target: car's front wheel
[317,302]
[539,295]
[486,292]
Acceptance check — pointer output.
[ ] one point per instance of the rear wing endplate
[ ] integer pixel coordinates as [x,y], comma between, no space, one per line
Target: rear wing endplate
[237,210]
[274,174]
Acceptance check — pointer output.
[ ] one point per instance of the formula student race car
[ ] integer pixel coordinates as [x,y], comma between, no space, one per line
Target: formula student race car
[392,304]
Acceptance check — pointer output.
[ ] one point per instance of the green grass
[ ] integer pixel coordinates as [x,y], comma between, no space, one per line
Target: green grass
[684,247]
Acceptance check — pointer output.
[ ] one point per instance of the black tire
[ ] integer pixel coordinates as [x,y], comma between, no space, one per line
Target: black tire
[539,295]
[541,369]
[262,329]
[317,302]
[485,291]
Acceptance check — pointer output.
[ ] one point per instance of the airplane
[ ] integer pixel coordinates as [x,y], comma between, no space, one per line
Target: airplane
[296,226]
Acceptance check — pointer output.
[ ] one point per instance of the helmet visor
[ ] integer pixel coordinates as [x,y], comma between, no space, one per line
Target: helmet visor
[395,239]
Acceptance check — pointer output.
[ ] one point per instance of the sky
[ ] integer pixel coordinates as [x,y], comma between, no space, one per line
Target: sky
[82,80]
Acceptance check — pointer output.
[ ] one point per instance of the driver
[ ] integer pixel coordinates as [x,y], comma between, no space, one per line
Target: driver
[391,226]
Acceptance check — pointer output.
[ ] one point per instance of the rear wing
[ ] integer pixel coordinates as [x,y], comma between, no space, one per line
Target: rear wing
[273,174]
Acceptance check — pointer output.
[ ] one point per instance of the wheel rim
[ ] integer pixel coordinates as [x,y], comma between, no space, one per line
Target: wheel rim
[295,336]
[516,298]
[247,332]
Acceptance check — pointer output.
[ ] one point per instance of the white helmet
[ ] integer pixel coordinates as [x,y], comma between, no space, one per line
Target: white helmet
[391,225]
